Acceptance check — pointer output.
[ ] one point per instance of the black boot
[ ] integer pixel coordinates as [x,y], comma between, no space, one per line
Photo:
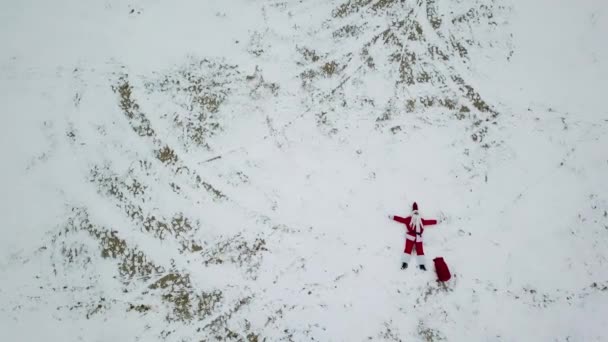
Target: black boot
[422,267]
[403,265]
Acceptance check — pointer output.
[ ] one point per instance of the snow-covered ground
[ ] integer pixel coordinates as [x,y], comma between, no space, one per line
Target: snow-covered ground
[223,170]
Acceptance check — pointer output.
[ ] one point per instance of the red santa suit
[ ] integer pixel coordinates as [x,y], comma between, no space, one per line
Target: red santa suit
[413,236]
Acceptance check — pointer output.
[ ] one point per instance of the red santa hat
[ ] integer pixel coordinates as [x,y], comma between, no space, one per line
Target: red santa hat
[415,207]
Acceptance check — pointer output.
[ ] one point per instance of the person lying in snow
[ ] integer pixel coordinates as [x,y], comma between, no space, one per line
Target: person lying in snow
[415,227]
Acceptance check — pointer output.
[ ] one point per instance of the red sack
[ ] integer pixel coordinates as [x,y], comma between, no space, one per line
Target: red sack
[443,273]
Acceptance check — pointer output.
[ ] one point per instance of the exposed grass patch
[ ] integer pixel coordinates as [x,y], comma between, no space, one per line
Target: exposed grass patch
[309,55]
[381,4]
[410,105]
[200,88]
[330,68]
[217,194]
[349,7]
[462,51]
[415,31]
[406,73]
[137,120]
[260,85]
[347,31]
[141,308]
[174,288]
[473,96]
[388,334]
[431,14]
[177,291]
[436,51]
[132,263]
[369,60]
[116,187]
[429,334]
[166,155]
[239,251]
[307,77]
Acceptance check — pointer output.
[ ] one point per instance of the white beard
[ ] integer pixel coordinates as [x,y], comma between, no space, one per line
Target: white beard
[416,222]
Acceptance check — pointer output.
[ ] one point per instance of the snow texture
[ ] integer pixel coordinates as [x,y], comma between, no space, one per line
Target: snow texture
[224,170]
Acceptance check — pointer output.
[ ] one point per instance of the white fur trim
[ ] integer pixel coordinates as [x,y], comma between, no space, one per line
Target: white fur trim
[421,260]
[405,257]
[417,238]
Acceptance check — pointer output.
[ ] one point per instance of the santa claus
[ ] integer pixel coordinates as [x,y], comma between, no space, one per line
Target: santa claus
[415,225]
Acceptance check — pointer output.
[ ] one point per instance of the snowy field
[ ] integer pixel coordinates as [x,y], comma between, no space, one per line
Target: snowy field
[223,170]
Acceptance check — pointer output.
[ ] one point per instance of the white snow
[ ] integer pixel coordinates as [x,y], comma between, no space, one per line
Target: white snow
[206,162]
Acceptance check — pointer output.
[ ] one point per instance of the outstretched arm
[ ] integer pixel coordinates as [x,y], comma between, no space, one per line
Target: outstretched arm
[426,222]
[398,219]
